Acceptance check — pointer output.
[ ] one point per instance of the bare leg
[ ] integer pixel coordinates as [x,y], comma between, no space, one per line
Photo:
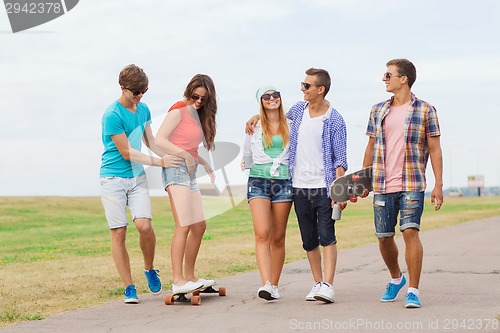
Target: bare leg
[330,262]
[179,200]
[263,227]
[280,213]
[197,230]
[120,254]
[192,248]
[314,257]
[413,255]
[389,252]
[147,241]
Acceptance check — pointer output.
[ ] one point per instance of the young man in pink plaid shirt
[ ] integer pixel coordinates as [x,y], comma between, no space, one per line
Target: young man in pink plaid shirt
[403,132]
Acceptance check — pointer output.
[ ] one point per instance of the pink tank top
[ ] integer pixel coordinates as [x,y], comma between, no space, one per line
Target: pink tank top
[188,134]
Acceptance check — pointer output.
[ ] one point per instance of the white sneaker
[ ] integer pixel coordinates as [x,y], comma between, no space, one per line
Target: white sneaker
[325,293]
[266,291]
[206,283]
[275,294]
[187,288]
[312,293]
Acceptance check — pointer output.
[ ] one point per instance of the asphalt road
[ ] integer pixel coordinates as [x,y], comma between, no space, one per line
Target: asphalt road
[460,292]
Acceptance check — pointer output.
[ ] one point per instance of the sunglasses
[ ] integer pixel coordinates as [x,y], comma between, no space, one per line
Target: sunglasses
[136,93]
[196,97]
[307,85]
[387,76]
[274,95]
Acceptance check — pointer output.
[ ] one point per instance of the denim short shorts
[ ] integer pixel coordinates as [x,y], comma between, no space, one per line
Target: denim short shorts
[179,176]
[117,193]
[386,207]
[314,214]
[276,190]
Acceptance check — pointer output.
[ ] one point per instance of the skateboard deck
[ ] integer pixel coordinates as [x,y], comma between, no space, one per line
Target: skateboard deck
[350,186]
[211,290]
[195,296]
[181,298]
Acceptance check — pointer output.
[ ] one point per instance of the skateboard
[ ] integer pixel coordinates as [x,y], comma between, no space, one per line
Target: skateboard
[181,298]
[349,187]
[211,290]
[195,296]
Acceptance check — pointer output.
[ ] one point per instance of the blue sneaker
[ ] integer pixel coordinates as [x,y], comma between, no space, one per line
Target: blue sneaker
[392,291]
[131,295]
[412,301]
[154,283]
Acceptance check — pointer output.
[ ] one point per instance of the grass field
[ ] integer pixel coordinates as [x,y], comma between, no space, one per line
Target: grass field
[55,251]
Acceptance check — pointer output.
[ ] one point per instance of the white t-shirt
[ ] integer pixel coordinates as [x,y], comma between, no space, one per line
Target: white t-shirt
[309,171]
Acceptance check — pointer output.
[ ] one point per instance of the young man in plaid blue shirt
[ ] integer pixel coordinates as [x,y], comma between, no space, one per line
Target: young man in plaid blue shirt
[403,132]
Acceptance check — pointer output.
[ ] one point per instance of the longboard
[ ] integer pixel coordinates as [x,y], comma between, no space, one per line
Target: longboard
[350,186]
[195,296]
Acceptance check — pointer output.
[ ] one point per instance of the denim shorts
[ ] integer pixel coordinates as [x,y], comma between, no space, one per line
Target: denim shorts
[179,176]
[117,193]
[386,207]
[276,190]
[314,214]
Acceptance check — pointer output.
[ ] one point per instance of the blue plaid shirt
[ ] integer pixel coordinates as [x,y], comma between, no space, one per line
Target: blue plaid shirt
[334,141]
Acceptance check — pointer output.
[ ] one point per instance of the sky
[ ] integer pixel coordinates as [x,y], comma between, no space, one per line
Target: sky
[57,79]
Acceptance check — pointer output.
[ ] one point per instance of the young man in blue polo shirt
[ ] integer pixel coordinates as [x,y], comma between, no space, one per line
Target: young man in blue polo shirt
[125,124]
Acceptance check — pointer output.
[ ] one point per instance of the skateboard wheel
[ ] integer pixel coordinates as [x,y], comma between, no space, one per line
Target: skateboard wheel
[222,291]
[169,299]
[195,300]
[196,293]
[353,199]
[355,178]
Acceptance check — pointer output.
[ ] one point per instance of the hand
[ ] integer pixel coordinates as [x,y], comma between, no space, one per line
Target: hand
[365,193]
[250,124]
[210,172]
[437,197]
[191,164]
[342,205]
[242,165]
[171,161]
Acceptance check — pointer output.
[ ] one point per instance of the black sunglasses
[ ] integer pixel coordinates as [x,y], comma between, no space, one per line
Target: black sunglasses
[274,95]
[388,76]
[136,93]
[307,85]
[196,97]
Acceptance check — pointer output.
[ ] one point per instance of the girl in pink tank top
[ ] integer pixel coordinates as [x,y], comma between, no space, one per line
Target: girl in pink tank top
[187,124]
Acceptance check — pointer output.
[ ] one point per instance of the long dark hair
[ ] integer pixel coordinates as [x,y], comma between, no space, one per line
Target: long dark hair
[208,110]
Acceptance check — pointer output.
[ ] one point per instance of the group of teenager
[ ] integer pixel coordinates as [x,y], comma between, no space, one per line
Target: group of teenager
[293,157]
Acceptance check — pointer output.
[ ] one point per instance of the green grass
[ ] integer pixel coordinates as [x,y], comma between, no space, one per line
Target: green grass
[62,244]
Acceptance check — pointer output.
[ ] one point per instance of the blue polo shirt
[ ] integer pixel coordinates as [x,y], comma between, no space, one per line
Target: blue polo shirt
[117,120]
